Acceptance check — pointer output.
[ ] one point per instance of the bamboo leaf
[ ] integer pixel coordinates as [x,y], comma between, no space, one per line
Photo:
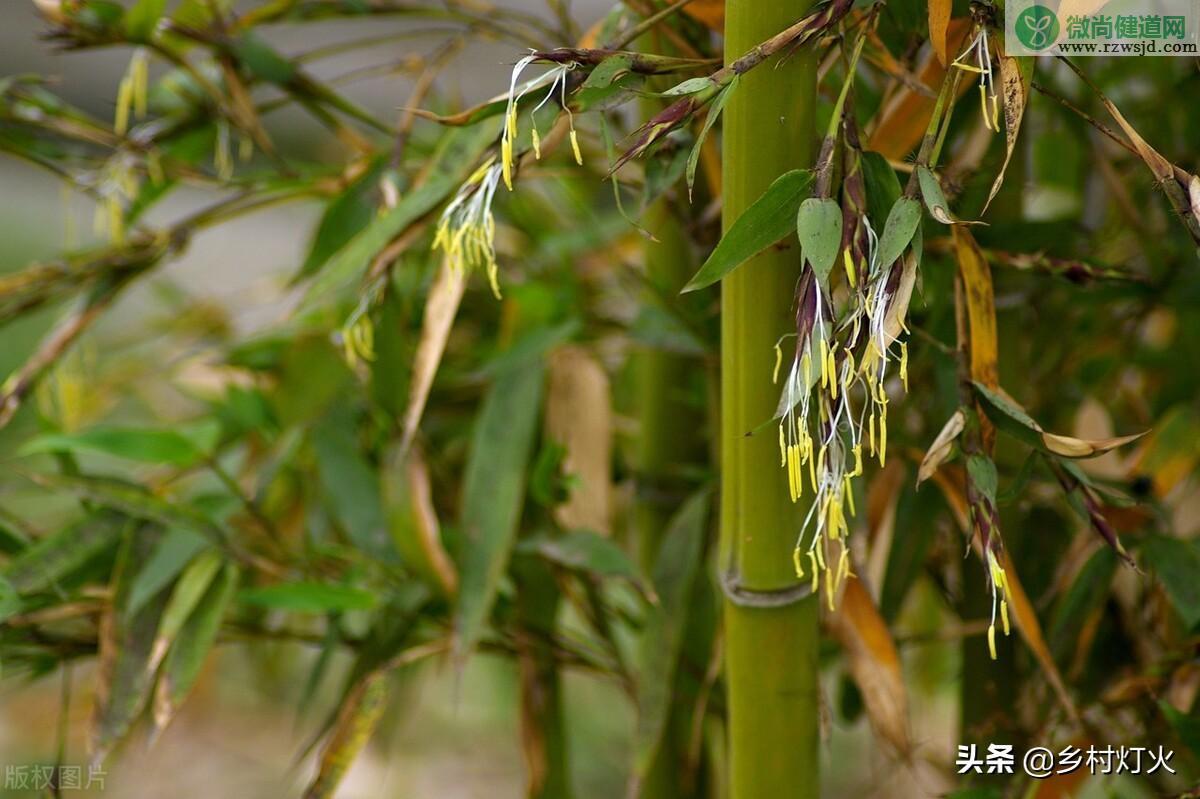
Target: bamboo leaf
[10,600]
[1177,563]
[54,557]
[142,17]
[191,647]
[939,21]
[124,679]
[357,718]
[898,231]
[1083,600]
[819,228]
[349,484]
[584,551]
[171,555]
[883,187]
[940,449]
[493,493]
[308,597]
[1186,726]
[135,501]
[770,218]
[146,445]
[1016,76]
[188,591]
[661,642]
[1013,419]
[413,521]
[441,306]
[935,198]
[983,352]
[874,663]
[714,111]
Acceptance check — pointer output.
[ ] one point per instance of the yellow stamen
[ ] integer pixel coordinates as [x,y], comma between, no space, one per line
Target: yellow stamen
[992,640]
[575,147]
[797,562]
[904,364]
[1004,615]
[850,270]
[537,143]
[778,363]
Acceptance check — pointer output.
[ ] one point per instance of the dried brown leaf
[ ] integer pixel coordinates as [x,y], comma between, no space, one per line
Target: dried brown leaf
[440,308]
[939,450]
[1015,83]
[874,664]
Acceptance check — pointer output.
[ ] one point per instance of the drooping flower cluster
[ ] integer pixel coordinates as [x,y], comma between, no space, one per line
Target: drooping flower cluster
[978,52]
[466,232]
[556,77]
[834,403]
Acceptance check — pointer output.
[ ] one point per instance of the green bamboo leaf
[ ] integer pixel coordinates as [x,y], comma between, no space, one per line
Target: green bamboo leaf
[883,187]
[125,678]
[10,601]
[493,493]
[819,228]
[1186,726]
[186,656]
[1177,563]
[770,218]
[171,555]
[344,217]
[675,571]
[935,198]
[263,61]
[188,591]
[357,718]
[56,556]
[982,471]
[134,500]
[714,111]
[349,484]
[1085,596]
[898,231]
[138,444]
[584,551]
[142,17]
[306,597]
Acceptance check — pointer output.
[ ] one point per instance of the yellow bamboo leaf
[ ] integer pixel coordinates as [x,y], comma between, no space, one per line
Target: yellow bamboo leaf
[874,664]
[939,21]
[710,12]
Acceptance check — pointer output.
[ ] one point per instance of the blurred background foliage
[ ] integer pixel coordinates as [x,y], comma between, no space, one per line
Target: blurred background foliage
[276,482]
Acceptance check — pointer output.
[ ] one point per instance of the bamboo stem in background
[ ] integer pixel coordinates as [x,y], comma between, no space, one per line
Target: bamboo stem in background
[771,652]
[666,440]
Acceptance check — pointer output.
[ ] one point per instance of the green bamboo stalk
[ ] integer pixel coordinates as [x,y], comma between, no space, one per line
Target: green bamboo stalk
[771,651]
